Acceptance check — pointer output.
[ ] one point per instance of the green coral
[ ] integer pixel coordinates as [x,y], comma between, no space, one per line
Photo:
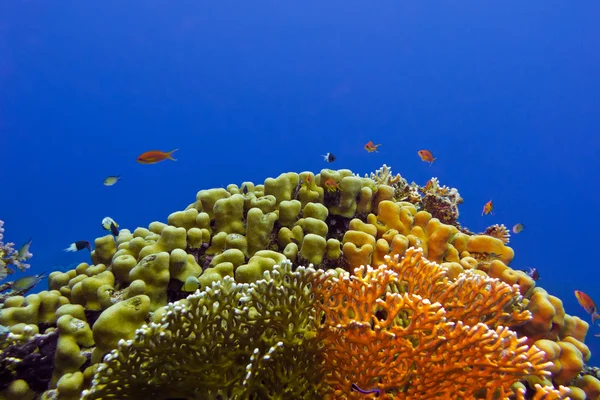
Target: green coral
[230,340]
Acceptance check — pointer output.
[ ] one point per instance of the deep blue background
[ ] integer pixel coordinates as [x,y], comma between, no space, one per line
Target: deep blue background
[505,94]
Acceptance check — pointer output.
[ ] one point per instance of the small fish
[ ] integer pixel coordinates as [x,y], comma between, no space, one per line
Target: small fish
[79,245]
[355,388]
[518,228]
[329,157]
[23,253]
[308,182]
[588,304]
[27,282]
[426,156]
[154,156]
[494,256]
[109,224]
[331,185]
[111,180]
[487,208]
[370,147]
[428,185]
[533,273]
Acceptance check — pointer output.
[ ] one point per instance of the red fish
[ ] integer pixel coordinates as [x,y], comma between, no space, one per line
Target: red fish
[426,156]
[588,305]
[371,147]
[331,185]
[487,208]
[154,156]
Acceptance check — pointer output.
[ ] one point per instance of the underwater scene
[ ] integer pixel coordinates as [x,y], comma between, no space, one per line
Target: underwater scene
[299,200]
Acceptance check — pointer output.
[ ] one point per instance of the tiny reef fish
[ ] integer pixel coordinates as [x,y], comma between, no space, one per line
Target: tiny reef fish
[154,156]
[111,180]
[518,228]
[371,147]
[308,182]
[487,208]
[533,273]
[355,388]
[331,185]
[79,245]
[24,250]
[109,224]
[329,157]
[27,282]
[428,185]
[588,304]
[426,156]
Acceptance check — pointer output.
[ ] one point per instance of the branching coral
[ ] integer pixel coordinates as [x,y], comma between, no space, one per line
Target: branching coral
[384,176]
[31,360]
[9,257]
[499,232]
[404,329]
[441,201]
[231,340]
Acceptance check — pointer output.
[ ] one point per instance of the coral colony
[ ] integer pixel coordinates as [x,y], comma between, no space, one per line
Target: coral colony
[327,286]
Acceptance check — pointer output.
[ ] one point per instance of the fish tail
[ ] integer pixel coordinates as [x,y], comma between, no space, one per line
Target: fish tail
[170,155]
[595,316]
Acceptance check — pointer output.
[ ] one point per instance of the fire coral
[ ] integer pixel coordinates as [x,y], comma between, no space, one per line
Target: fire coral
[408,331]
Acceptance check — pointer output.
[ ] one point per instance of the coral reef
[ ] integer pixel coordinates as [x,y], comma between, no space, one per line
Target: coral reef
[9,260]
[307,286]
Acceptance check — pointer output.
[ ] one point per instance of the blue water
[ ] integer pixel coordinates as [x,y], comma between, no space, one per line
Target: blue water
[505,95]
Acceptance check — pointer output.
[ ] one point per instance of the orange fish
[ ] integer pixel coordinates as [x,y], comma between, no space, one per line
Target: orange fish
[308,182]
[428,185]
[154,156]
[487,208]
[426,156]
[588,304]
[370,147]
[331,185]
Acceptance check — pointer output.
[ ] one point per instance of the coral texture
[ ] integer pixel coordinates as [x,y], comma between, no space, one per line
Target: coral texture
[208,305]
[10,258]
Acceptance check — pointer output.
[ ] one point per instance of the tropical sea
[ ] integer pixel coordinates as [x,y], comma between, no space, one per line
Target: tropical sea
[504,94]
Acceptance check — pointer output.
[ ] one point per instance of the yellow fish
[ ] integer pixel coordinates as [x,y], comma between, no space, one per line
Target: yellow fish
[111,180]
[27,282]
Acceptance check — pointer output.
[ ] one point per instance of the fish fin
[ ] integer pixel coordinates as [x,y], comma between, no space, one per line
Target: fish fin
[170,155]
[595,316]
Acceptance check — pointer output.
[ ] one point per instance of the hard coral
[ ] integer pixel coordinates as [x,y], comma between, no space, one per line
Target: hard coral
[441,201]
[407,331]
[31,361]
[404,329]
[384,176]
[499,232]
[9,257]
[231,340]
[257,328]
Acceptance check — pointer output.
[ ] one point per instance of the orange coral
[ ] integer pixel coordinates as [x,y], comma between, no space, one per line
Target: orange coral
[410,332]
